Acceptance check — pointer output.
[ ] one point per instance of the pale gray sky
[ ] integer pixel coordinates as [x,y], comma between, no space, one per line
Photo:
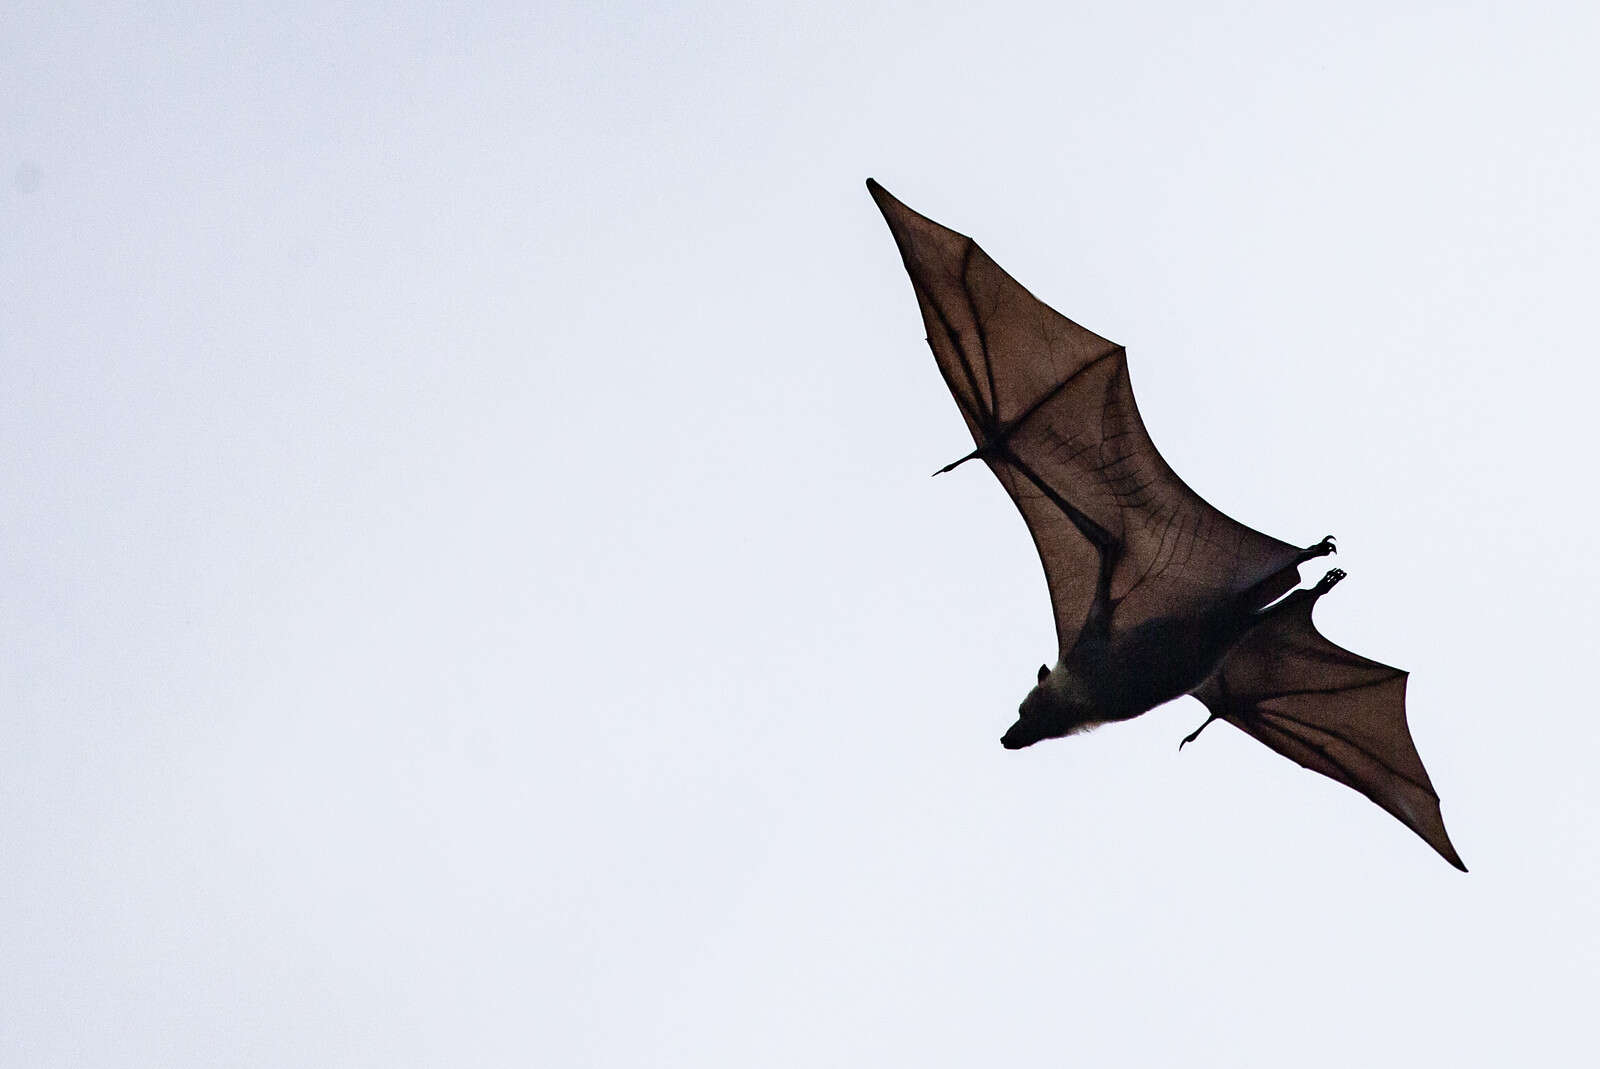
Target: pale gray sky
[473,593]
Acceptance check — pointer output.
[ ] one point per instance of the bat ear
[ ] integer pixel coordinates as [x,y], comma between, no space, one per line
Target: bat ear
[1044,670]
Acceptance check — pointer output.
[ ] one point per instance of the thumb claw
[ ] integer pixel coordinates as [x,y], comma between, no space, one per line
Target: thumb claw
[1195,734]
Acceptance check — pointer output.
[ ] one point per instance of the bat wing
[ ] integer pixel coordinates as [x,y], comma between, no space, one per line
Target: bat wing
[1331,710]
[1051,408]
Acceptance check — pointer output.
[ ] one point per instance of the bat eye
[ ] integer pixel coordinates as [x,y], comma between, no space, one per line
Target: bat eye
[1044,670]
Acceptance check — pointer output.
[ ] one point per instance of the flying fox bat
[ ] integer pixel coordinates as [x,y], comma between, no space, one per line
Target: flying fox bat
[1156,594]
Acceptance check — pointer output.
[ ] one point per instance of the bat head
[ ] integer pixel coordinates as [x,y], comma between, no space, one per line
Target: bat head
[1059,704]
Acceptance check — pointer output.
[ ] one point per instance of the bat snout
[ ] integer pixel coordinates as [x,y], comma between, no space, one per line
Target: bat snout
[1017,737]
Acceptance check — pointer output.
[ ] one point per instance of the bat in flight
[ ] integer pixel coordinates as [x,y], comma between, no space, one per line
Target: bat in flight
[1156,594]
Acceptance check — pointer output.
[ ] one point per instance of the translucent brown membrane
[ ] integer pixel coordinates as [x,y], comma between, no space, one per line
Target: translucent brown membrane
[1135,558]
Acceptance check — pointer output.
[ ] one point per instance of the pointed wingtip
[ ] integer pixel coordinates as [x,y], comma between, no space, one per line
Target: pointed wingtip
[887,202]
[896,210]
[921,240]
[1434,834]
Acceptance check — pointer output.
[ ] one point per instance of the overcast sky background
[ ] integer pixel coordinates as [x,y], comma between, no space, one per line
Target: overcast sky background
[472,593]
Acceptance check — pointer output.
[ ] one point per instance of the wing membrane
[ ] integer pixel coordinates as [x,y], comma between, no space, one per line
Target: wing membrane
[1330,710]
[1058,396]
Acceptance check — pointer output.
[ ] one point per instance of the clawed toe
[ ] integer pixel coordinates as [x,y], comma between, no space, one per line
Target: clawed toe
[1330,580]
[1321,549]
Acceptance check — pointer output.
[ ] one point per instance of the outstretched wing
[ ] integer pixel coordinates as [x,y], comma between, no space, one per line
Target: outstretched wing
[1330,710]
[1076,457]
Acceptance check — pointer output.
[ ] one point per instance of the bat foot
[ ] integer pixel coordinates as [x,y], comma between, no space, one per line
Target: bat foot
[1329,581]
[1321,549]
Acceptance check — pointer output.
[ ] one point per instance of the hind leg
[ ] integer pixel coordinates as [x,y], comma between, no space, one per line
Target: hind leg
[1252,619]
[1325,584]
[1273,587]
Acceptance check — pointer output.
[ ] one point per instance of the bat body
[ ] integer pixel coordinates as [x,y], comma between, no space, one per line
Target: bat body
[1155,593]
[1117,673]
